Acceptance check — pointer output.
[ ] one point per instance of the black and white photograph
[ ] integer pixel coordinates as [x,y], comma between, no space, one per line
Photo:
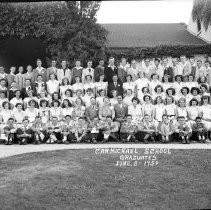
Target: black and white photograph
[105,105]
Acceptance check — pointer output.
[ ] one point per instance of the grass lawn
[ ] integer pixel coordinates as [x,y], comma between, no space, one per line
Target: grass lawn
[80,179]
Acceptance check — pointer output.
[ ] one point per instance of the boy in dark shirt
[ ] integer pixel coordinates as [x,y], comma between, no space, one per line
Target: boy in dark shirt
[200,130]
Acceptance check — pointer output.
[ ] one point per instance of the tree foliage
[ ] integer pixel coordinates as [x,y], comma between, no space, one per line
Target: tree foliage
[68,29]
[202,12]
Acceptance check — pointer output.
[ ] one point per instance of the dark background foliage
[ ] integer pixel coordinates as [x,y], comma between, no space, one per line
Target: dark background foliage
[61,30]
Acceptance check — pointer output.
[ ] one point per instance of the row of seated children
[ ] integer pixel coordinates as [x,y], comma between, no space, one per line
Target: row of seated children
[98,131]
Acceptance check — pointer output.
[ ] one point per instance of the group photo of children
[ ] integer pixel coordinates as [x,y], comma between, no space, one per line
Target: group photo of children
[153,100]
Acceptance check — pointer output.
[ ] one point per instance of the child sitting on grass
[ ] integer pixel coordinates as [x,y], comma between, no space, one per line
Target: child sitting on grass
[200,130]
[166,129]
[183,130]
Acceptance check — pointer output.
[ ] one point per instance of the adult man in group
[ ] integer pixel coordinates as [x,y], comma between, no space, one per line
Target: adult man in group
[51,70]
[193,66]
[128,130]
[133,70]
[114,85]
[146,67]
[200,70]
[19,78]
[157,69]
[99,70]
[121,110]
[110,70]
[77,71]
[168,70]
[3,75]
[64,72]
[92,111]
[178,68]
[10,77]
[185,65]
[123,70]
[39,71]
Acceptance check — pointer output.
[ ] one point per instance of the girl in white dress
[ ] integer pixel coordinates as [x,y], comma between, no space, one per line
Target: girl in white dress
[178,84]
[55,96]
[78,110]
[5,113]
[44,111]
[68,95]
[141,82]
[184,94]
[2,99]
[182,109]
[86,98]
[31,112]
[18,114]
[191,83]
[159,110]
[204,90]
[154,82]
[100,98]
[203,80]
[128,98]
[101,85]
[158,92]
[16,99]
[166,84]
[52,85]
[148,107]
[67,108]
[56,110]
[64,86]
[135,110]
[193,111]
[43,95]
[206,111]
[77,86]
[129,85]
[145,91]
[88,83]
[113,100]
[106,110]
[170,92]
[29,98]
[170,108]
[195,93]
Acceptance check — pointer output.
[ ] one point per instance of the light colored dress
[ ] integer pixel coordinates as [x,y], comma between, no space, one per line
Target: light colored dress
[31,114]
[136,112]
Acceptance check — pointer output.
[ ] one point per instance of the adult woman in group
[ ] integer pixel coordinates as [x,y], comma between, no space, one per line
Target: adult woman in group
[16,99]
[78,110]
[129,84]
[56,110]
[18,114]
[78,85]
[31,112]
[44,110]
[205,113]
[67,108]
[88,83]
[65,85]
[5,113]
[101,85]
[106,110]
[135,110]
[52,85]
[148,107]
